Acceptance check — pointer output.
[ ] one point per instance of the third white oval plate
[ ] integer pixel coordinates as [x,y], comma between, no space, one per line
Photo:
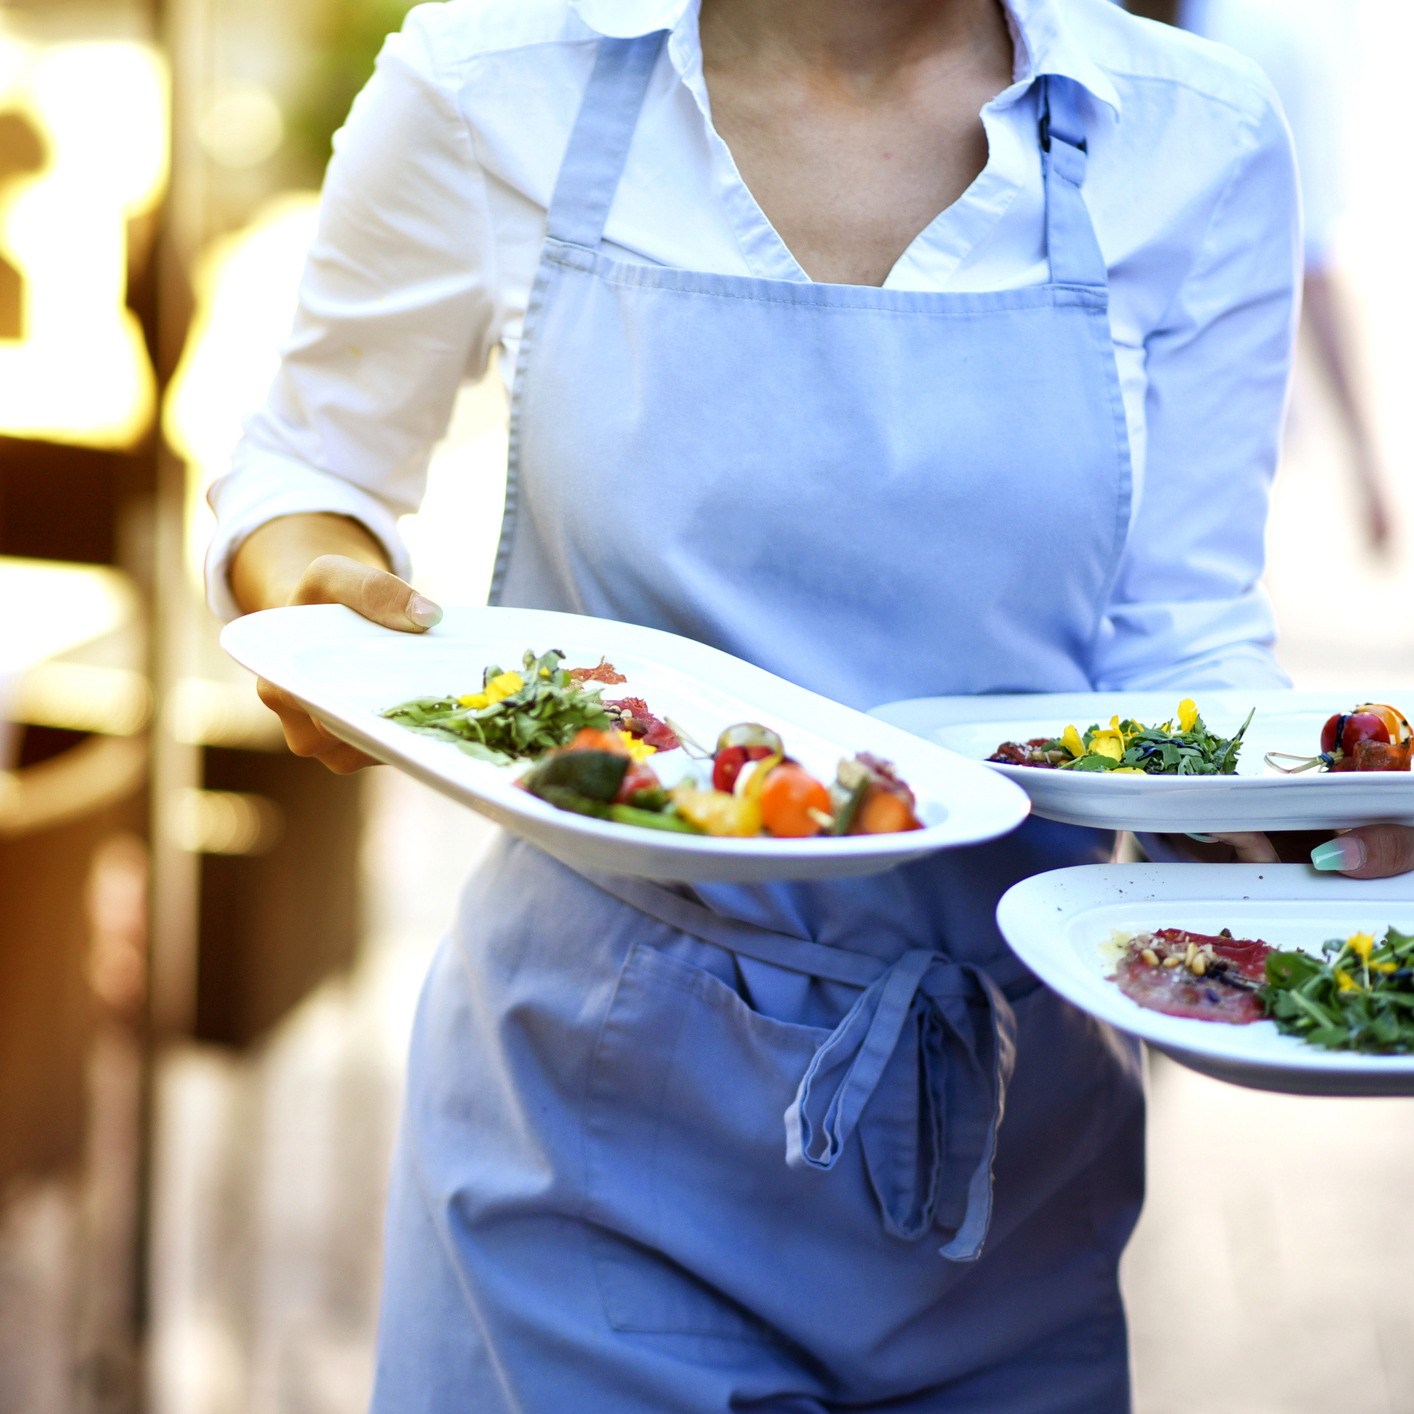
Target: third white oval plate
[1064,925]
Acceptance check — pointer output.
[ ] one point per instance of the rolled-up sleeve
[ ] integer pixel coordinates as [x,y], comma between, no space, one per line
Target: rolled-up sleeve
[1188,609]
[397,306]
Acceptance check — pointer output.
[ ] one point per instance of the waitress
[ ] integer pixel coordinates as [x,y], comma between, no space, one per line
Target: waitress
[902,347]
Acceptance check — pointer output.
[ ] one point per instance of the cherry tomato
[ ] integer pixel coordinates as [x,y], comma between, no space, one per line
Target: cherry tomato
[884,813]
[727,764]
[751,734]
[1363,726]
[1346,729]
[787,796]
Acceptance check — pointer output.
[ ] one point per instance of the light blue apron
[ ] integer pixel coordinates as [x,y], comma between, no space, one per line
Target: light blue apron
[802,1147]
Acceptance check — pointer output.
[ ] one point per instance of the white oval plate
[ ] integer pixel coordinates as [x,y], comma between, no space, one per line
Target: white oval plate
[1256,798]
[1062,925]
[346,670]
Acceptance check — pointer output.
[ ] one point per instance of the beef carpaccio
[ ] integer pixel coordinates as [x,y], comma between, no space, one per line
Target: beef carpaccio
[1209,977]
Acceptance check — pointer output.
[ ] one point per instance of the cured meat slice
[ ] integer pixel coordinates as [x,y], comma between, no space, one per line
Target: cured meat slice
[606,673]
[631,714]
[1208,977]
[1029,753]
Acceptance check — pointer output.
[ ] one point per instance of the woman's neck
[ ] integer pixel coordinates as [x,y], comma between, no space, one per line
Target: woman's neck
[858,45]
[854,122]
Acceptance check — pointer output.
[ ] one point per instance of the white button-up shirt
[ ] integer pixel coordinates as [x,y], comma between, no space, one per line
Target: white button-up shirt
[433,217]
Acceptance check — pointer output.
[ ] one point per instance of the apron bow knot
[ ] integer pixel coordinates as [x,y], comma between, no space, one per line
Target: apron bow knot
[918,1066]
[928,1143]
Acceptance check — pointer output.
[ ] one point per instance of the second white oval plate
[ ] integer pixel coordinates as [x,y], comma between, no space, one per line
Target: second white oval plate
[346,670]
[1063,926]
[1256,798]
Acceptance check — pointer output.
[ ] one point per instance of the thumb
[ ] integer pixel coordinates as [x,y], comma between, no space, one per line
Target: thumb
[1371,852]
[374,593]
[1251,847]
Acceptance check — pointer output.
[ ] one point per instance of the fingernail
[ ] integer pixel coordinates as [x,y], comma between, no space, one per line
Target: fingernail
[1343,853]
[423,612]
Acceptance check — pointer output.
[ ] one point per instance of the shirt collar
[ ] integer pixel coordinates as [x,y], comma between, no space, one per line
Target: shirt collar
[627,19]
[1046,40]
[1051,47]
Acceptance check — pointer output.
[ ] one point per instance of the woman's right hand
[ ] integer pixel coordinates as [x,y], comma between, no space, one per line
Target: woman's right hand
[323,559]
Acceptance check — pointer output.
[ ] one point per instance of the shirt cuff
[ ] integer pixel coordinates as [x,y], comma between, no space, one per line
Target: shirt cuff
[252,495]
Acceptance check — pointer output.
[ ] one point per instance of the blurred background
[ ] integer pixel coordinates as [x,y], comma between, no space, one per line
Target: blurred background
[209,951]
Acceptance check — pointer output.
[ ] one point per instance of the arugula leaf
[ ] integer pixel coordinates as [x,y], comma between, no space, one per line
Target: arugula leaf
[1159,751]
[1357,996]
[546,712]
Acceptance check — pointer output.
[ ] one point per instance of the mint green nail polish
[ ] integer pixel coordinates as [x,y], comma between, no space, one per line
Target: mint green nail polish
[1343,852]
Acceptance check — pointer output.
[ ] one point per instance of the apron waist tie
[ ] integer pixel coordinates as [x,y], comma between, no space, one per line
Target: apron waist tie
[918,1066]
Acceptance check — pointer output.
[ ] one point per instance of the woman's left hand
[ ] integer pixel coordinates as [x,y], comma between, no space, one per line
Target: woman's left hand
[1370,852]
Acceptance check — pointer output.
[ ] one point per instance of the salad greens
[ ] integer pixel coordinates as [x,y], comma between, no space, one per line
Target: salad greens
[1359,996]
[1134,749]
[516,715]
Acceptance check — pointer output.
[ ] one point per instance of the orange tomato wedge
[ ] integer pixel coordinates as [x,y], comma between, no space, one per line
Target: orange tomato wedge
[788,795]
[1396,723]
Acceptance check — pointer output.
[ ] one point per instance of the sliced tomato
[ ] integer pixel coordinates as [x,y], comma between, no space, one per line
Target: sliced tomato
[726,767]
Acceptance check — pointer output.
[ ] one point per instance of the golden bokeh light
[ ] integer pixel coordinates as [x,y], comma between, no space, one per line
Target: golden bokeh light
[80,372]
[246,290]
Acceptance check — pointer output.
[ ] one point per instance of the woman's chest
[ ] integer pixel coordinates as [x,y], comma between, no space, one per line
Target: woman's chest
[848,185]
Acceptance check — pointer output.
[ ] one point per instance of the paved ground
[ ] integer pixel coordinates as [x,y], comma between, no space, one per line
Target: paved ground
[1273,1269]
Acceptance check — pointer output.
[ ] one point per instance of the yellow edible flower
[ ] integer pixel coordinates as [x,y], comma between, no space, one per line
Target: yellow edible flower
[1385,966]
[1345,981]
[1070,739]
[1187,714]
[638,749]
[1109,742]
[1361,944]
[502,686]
[1128,771]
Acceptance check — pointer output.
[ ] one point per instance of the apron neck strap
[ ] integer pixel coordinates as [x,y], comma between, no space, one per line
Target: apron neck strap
[598,146]
[1075,255]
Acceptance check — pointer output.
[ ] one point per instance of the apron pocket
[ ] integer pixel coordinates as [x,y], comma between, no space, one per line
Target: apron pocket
[644,1292]
[685,1140]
